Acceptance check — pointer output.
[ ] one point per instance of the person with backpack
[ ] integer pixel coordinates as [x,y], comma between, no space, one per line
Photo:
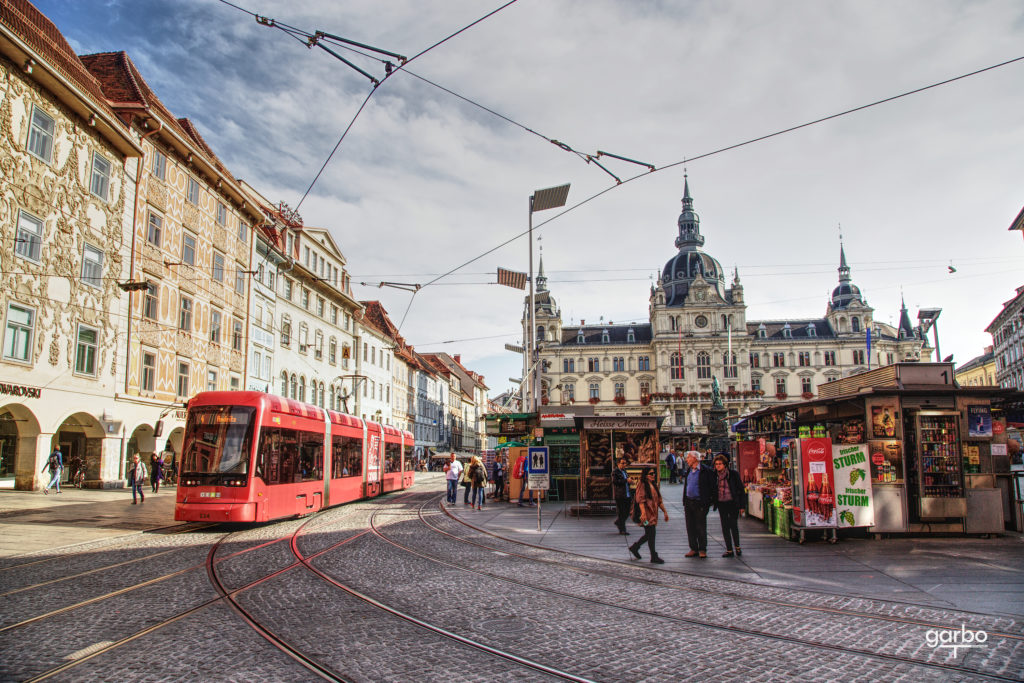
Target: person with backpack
[499,479]
[136,478]
[55,463]
[478,480]
[157,471]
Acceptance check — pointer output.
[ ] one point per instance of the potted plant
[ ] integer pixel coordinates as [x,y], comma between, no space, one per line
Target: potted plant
[807,395]
[780,395]
[595,399]
[621,400]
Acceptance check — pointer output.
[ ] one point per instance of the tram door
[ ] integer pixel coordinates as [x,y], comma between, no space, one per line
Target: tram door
[374,458]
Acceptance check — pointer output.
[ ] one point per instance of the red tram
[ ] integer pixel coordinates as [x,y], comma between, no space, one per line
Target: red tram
[253,457]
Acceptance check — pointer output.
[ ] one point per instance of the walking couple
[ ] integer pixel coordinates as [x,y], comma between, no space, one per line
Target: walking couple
[705,488]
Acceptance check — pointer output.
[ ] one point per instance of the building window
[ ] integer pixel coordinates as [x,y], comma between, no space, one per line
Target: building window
[215,325]
[889,358]
[320,306]
[302,389]
[618,364]
[236,334]
[568,393]
[730,369]
[595,390]
[147,380]
[645,389]
[154,228]
[294,388]
[605,338]
[188,249]
[780,386]
[579,338]
[267,366]
[218,267]
[92,266]
[858,356]
[185,314]
[755,383]
[855,324]
[812,331]
[30,237]
[305,299]
[236,382]
[805,385]
[334,315]
[804,359]
[211,380]
[239,279]
[284,384]
[332,351]
[620,390]
[703,365]
[150,301]
[183,379]
[568,365]
[778,359]
[192,193]
[676,366]
[159,165]
[594,365]
[643,363]
[243,231]
[630,336]
[755,360]
[305,256]
[287,288]
[286,332]
[19,332]
[318,345]
[99,183]
[222,214]
[40,135]
[830,358]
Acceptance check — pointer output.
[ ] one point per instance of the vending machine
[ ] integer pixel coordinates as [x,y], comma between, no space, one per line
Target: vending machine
[940,478]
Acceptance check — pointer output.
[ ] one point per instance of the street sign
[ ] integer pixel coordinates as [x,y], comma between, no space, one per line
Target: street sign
[538,468]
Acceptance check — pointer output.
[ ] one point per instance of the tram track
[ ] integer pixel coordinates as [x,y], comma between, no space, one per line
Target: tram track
[705,623]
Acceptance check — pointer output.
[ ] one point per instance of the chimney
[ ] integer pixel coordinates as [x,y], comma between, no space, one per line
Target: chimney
[458,358]
[582,322]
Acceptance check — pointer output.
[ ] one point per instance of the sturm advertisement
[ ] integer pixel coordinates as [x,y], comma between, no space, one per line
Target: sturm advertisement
[854,501]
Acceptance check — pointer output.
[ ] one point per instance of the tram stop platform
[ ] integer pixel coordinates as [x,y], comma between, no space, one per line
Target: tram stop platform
[964,572]
[32,522]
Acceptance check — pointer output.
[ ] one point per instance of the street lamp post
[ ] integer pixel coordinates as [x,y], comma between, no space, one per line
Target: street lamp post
[540,200]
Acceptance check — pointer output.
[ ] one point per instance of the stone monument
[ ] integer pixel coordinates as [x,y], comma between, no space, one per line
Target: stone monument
[718,426]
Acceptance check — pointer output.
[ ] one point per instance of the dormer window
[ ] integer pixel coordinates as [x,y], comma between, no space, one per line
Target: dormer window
[579,338]
[630,336]
[812,331]
[761,331]
[787,332]
[605,338]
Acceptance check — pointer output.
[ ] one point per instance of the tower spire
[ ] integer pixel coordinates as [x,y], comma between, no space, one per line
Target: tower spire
[542,280]
[689,221]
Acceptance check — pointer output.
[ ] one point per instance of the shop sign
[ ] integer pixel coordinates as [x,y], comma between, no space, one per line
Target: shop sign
[999,449]
[998,426]
[854,504]
[20,390]
[620,422]
[819,493]
[180,414]
[979,421]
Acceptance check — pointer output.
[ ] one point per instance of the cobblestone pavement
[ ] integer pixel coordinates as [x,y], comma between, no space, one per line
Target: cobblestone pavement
[143,608]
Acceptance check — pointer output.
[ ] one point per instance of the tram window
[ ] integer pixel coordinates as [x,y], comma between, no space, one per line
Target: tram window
[392,457]
[408,458]
[279,456]
[347,460]
[311,457]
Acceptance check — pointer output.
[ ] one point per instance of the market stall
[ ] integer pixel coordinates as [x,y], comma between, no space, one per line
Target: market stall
[603,441]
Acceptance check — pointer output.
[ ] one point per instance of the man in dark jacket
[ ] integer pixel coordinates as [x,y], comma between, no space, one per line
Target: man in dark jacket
[623,496]
[698,495]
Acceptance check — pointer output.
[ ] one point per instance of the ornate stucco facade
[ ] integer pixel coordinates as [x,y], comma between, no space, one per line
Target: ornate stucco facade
[698,331]
[64,197]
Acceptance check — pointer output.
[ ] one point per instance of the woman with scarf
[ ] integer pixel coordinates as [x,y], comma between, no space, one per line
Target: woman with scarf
[477,475]
[647,500]
[730,500]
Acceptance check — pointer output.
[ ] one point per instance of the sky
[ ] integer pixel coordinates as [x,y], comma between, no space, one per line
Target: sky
[425,181]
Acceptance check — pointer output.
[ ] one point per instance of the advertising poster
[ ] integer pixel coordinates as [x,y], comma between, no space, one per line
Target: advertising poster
[819,483]
[979,421]
[854,503]
[373,459]
[883,421]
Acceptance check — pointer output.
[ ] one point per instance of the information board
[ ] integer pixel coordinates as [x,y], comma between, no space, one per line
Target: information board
[538,468]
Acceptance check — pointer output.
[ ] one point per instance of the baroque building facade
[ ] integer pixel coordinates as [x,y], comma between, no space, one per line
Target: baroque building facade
[1007,330]
[698,332]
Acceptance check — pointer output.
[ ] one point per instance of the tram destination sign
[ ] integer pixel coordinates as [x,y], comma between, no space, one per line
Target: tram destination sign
[20,390]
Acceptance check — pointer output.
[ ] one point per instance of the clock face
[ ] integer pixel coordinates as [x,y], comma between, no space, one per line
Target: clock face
[700,321]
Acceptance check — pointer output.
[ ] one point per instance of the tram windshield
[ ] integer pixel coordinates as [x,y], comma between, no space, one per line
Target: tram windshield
[218,441]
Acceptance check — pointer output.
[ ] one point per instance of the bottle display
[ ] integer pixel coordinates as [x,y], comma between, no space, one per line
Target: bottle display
[940,459]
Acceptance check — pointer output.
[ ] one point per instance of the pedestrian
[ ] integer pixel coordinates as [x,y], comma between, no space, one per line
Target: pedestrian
[519,472]
[452,472]
[648,501]
[466,484]
[136,478]
[730,500]
[670,462]
[156,472]
[499,479]
[169,470]
[698,495]
[478,480]
[55,463]
[623,496]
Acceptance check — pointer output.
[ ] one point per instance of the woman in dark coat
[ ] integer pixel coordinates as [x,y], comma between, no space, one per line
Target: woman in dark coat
[730,500]
[648,501]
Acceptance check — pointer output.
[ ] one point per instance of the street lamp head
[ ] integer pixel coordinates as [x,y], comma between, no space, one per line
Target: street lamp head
[549,198]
